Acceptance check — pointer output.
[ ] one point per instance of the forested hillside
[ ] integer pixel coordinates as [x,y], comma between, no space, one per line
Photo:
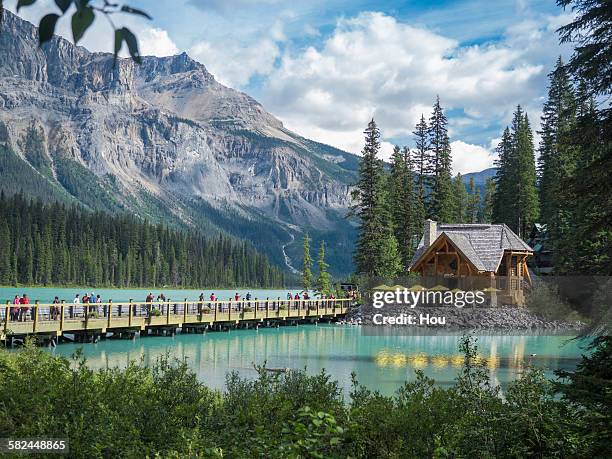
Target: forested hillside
[52,244]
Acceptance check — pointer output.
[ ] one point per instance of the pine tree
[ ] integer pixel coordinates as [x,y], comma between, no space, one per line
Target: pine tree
[422,164]
[401,195]
[516,199]
[586,248]
[323,283]
[502,197]
[473,203]
[307,266]
[558,118]
[441,202]
[485,210]
[557,159]
[460,201]
[371,205]
[526,206]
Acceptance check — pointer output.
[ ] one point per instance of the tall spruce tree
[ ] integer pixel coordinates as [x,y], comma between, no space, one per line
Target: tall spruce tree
[401,195]
[586,247]
[557,159]
[460,200]
[372,208]
[473,203]
[485,210]
[422,165]
[523,172]
[516,199]
[441,201]
[502,198]
[307,265]
[323,283]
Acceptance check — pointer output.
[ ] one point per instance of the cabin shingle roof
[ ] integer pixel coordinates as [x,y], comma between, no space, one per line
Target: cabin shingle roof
[482,244]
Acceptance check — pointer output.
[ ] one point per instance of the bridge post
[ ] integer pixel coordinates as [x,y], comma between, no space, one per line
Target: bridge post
[110,312]
[215,306]
[62,311]
[229,310]
[35,311]
[168,312]
[6,318]
[185,311]
[131,313]
[267,308]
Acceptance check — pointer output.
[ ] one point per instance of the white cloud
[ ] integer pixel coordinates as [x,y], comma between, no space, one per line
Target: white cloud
[235,64]
[156,42]
[374,65]
[469,158]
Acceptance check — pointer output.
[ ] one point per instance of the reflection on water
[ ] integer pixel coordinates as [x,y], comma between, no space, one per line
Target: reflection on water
[380,362]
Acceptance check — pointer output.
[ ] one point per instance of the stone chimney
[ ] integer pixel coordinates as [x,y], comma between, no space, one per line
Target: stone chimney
[430,232]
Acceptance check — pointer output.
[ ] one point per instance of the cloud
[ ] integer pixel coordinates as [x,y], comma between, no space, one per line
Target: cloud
[156,42]
[230,6]
[373,65]
[234,64]
[470,158]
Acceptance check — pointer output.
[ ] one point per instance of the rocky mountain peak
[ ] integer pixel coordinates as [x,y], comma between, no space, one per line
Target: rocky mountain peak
[166,141]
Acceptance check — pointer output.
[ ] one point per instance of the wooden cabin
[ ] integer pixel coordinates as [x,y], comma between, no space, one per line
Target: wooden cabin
[485,254]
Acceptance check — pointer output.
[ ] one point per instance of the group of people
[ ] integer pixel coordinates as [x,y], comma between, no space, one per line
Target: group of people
[19,310]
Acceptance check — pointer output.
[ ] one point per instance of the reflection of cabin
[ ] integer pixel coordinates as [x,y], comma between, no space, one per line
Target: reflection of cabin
[477,252]
[542,253]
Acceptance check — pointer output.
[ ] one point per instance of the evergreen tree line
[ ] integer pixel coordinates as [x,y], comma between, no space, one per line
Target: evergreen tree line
[574,169]
[51,244]
[392,203]
[569,190]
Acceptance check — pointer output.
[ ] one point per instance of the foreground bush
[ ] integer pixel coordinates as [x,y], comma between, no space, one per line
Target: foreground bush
[165,412]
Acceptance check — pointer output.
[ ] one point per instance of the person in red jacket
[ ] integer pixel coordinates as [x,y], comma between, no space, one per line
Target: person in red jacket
[24,309]
[15,309]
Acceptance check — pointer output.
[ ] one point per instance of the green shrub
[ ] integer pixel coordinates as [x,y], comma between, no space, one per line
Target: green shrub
[164,411]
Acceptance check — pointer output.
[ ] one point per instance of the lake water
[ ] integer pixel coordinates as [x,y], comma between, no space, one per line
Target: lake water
[380,362]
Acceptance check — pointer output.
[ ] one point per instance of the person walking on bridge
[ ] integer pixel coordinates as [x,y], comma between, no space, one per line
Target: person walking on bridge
[24,309]
[15,309]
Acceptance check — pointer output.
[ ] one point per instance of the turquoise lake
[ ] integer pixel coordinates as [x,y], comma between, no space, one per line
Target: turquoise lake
[380,362]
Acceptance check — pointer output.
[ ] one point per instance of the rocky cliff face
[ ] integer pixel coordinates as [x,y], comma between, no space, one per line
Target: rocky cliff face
[165,140]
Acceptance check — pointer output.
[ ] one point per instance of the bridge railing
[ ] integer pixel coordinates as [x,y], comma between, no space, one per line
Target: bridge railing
[105,315]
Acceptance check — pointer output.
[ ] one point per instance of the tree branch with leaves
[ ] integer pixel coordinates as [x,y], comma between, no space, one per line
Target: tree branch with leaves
[83,15]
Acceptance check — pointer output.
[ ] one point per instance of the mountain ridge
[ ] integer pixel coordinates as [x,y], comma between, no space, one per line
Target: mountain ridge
[166,141]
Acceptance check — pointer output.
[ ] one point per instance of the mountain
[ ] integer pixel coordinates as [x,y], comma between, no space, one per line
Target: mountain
[480,178]
[165,141]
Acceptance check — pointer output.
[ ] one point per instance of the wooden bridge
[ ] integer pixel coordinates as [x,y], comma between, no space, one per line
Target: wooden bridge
[99,318]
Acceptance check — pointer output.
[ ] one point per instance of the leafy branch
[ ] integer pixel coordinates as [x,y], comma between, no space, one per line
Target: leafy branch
[84,15]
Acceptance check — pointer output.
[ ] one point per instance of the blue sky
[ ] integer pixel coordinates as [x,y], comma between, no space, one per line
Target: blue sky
[326,67]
